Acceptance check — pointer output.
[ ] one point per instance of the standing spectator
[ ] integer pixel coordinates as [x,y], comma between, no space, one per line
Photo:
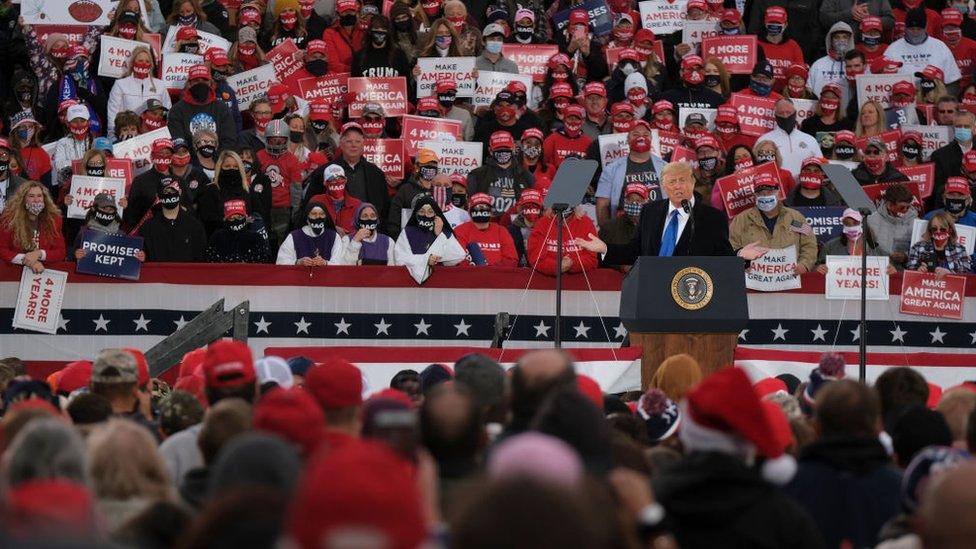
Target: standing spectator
[529,211]
[173,233]
[30,228]
[852,13]
[830,68]
[569,140]
[288,25]
[491,59]
[143,194]
[25,138]
[344,37]
[315,243]
[230,183]
[948,159]
[500,177]
[794,145]
[72,146]
[8,181]
[780,50]
[131,92]
[917,49]
[495,243]
[692,92]
[446,91]
[939,250]
[284,172]
[220,70]
[198,109]
[813,188]
[963,48]
[188,13]
[870,42]
[236,242]
[380,57]
[102,217]
[342,207]
[957,201]
[874,166]
[828,116]
[639,166]
[892,223]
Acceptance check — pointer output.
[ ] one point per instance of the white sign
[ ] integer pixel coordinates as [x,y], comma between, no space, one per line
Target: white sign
[206,41]
[695,31]
[773,272]
[612,147]
[456,156]
[844,277]
[933,137]
[249,85]
[877,87]
[39,300]
[491,82]
[113,60]
[804,109]
[140,146]
[176,68]
[63,12]
[663,16]
[84,189]
[709,115]
[436,69]
[965,233]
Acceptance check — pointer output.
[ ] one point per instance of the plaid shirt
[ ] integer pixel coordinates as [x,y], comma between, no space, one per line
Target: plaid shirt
[956,258]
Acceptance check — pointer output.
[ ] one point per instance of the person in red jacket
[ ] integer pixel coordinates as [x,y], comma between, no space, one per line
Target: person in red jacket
[496,244]
[727,129]
[30,228]
[342,208]
[344,37]
[568,140]
[316,65]
[285,173]
[870,43]
[781,52]
[543,244]
[963,49]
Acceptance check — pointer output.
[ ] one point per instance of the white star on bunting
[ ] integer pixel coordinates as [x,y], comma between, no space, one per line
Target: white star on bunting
[462,328]
[742,334]
[180,323]
[820,334]
[582,330]
[620,332]
[342,327]
[302,326]
[101,323]
[422,327]
[63,323]
[897,334]
[541,330]
[142,323]
[938,335]
[262,325]
[383,327]
[779,332]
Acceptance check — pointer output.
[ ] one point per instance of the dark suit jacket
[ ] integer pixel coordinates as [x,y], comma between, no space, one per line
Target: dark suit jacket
[948,163]
[705,234]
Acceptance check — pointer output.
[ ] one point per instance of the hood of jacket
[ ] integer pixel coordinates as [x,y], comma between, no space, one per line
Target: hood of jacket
[907,219]
[839,26]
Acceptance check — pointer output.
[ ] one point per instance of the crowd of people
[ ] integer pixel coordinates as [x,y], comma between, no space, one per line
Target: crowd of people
[286,181]
[275,452]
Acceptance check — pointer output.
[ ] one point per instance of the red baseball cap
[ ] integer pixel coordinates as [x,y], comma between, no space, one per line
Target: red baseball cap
[697,5]
[293,415]
[558,59]
[216,57]
[277,94]
[969,160]
[883,65]
[845,136]
[479,199]
[690,61]
[708,140]
[904,87]
[628,54]
[832,87]
[798,69]
[622,107]
[533,132]
[429,103]
[727,113]
[501,140]
[764,180]
[320,109]
[142,365]
[910,135]
[346,5]
[637,188]
[74,376]
[644,35]
[871,22]
[662,105]
[579,17]
[931,72]
[560,89]
[162,143]
[187,33]
[813,161]
[595,88]
[199,72]
[958,185]
[951,17]
[228,364]
[639,123]
[574,109]
[315,46]
[731,15]
[351,126]
[530,196]
[234,207]
[335,384]
[775,14]
[769,386]
[446,85]
[516,86]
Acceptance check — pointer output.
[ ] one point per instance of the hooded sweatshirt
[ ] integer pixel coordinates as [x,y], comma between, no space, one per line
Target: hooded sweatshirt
[188,117]
[894,234]
[829,68]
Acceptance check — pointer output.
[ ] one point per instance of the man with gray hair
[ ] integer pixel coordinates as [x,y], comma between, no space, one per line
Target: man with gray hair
[794,146]
[115,376]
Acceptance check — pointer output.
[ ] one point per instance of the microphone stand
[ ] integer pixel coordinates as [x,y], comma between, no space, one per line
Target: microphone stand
[862,366]
[559,210]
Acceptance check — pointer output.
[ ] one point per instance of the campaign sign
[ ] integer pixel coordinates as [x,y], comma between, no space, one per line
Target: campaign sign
[663,142]
[332,87]
[890,139]
[663,16]
[844,277]
[876,87]
[84,189]
[600,22]
[422,128]
[680,153]
[436,69]
[116,168]
[176,68]
[39,300]
[773,272]
[207,41]
[924,294]
[286,59]
[252,84]
[75,33]
[456,156]
[114,55]
[966,234]
[111,255]
[389,92]
[923,175]
[933,137]
[387,154]
[875,193]
[530,58]
[65,12]
[696,31]
[709,114]
[756,114]
[613,146]
[139,147]
[804,109]
[613,54]
[824,220]
[491,82]
[738,194]
[737,52]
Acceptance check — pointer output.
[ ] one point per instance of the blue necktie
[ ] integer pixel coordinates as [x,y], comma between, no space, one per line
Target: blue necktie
[670,238]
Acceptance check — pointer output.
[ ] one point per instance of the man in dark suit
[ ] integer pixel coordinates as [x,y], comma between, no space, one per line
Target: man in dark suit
[667,228]
[948,159]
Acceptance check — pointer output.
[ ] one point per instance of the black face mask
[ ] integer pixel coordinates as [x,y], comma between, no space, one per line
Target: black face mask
[189,48]
[206,151]
[927,85]
[95,171]
[910,152]
[230,179]
[317,225]
[844,152]
[378,37]
[169,200]
[296,137]
[955,206]
[348,19]
[236,225]
[403,26]
[248,166]
[200,92]
[786,123]
[368,224]
[427,172]
[4,166]
[712,80]
[319,126]
[425,222]
[104,219]
[318,67]
[459,200]
[481,216]
[446,100]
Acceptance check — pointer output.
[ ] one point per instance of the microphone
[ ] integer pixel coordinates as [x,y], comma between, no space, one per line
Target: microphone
[686,206]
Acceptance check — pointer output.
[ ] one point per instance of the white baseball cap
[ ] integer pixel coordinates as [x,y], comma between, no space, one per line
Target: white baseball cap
[77,111]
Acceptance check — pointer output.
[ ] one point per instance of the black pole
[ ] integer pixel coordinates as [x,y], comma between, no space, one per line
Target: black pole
[862,368]
[558,209]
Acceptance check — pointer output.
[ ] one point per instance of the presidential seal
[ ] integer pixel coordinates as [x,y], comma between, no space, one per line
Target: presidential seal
[691,288]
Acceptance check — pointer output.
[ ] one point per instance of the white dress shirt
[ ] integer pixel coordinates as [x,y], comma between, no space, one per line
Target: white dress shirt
[682,219]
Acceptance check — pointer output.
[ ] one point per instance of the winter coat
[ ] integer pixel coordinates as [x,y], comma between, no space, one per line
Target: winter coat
[182,239]
[131,93]
[893,234]
[187,117]
[227,246]
[749,226]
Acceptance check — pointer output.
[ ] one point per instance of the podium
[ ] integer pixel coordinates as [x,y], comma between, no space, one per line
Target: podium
[683,304]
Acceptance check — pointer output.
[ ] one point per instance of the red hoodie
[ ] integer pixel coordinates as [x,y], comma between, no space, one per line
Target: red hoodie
[542,244]
[781,56]
[557,147]
[346,217]
[496,244]
[340,46]
[282,170]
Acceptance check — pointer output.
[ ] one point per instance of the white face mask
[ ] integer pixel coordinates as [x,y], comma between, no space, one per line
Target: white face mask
[766,203]
[34,208]
[853,232]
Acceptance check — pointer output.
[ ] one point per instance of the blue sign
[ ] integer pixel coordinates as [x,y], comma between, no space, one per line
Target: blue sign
[825,220]
[112,255]
[600,22]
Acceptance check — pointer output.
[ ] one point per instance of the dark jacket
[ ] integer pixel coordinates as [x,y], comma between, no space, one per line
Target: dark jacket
[182,239]
[714,500]
[692,98]
[210,203]
[803,14]
[948,163]
[187,117]
[366,182]
[889,175]
[402,200]
[142,195]
[479,179]
[849,487]
[381,63]
[227,246]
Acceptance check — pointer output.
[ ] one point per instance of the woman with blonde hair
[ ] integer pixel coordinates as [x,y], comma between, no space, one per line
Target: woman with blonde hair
[931,86]
[441,41]
[30,228]
[230,182]
[288,25]
[870,120]
[188,13]
[717,77]
[676,376]
[131,92]
[767,151]
[126,22]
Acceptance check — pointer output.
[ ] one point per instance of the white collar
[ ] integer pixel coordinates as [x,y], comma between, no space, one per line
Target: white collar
[680,210]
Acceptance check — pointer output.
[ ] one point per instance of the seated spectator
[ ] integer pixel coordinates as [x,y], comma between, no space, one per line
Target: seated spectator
[529,208]
[236,241]
[957,201]
[31,211]
[443,191]
[794,145]
[341,206]
[543,243]
[172,233]
[368,246]
[622,227]
[316,243]
[814,188]
[892,223]
[198,104]
[939,250]
[850,242]
[426,169]
[494,243]
[427,240]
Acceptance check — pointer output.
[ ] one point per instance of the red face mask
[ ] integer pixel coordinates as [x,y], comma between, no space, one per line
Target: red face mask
[693,76]
[457,21]
[637,96]
[336,189]
[969,99]
[530,214]
[622,36]
[261,122]
[127,31]
[560,76]
[796,91]
[621,126]
[79,131]
[743,163]
[639,143]
[246,50]
[288,20]
[505,113]
[141,69]
[643,52]
[180,160]
[60,52]
[727,130]
[161,163]
[940,239]
[875,165]
[810,180]
[372,128]
[573,128]
[829,105]
[153,121]
[666,124]
[851,75]
[431,8]
[306,8]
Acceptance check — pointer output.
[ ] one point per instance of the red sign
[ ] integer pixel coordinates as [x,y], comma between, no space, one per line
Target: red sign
[387,154]
[683,153]
[924,294]
[613,54]
[286,59]
[390,93]
[738,53]
[923,175]
[756,114]
[928,113]
[116,168]
[738,194]
[330,87]
[665,142]
[75,33]
[876,193]
[890,139]
[417,129]
[531,59]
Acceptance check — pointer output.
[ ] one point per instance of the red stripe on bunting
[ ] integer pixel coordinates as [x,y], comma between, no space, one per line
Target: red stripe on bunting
[946,360]
[430,355]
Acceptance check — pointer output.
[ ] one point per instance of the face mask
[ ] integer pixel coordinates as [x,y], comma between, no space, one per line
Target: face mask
[317,225]
[940,239]
[140,69]
[319,126]
[766,203]
[79,132]
[481,216]
[524,34]
[427,173]
[200,92]
[637,96]
[446,100]
[206,151]
[666,124]
[25,134]
[505,113]
[4,166]
[306,8]
[852,75]
[693,77]
[187,20]
[829,106]
[288,20]
[712,80]
[628,69]
[503,157]
[844,152]
[296,137]
[443,42]
[840,45]
[875,165]
[34,208]
[964,135]
[425,222]
[429,114]
[189,48]
[726,130]
[236,225]
[95,171]
[763,158]
[531,214]
[459,200]
[60,53]
[955,206]
[871,40]
[620,126]
[731,31]
[372,128]
[379,38]
[153,121]
[633,209]
[910,152]
[927,85]
[104,219]
[640,144]
[169,200]
[809,180]
[347,20]
[494,47]
[317,67]
[560,76]
[368,224]
[759,88]
[916,36]
[180,160]
[531,152]
[774,29]
[161,163]
[622,35]
[230,179]
[247,50]
[786,123]
[457,21]
[707,164]
[853,232]
[572,129]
